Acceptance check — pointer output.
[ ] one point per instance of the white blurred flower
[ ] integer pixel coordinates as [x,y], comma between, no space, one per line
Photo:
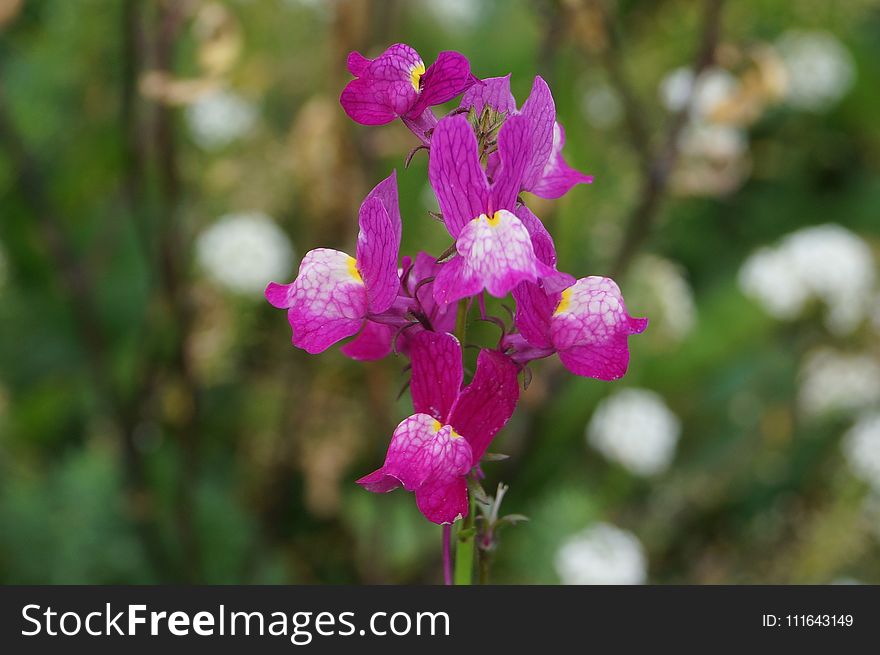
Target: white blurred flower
[602,554]
[243,252]
[218,118]
[832,381]
[714,87]
[602,107]
[861,447]
[826,262]
[819,69]
[455,14]
[712,141]
[635,428]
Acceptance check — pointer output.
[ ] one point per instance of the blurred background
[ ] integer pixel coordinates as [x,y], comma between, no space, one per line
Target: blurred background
[161,161]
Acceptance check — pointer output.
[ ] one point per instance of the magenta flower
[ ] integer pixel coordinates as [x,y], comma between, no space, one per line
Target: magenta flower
[334,292]
[493,248]
[547,174]
[432,451]
[587,324]
[397,84]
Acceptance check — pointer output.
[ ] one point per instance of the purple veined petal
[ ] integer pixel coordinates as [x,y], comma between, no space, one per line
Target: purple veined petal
[557,177]
[328,301]
[443,501]
[608,362]
[386,191]
[487,403]
[545,250]
[279,295]
[494,92]
[446,78]
[436,373]
[540,110]
[377,248]
[590,326]
[534,307]
[495,253]
[366,103]
[455,173]
[357,63]
[372,343]
[514,152]
[423,452]
[398,62]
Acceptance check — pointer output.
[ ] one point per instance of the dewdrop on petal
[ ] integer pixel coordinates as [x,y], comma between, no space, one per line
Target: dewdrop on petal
[602,554]
[636,429]
[242,251]
[219,118]
[861,448]
[832,381]
[819,69]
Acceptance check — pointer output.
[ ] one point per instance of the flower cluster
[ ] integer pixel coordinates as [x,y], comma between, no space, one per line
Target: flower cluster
[482,156]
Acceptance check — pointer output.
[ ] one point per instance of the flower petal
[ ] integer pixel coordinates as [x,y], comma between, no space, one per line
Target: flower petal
[514,151]
[386,191]
[421,450]
[373,342]
[494,92]
[446,78]
[357,63]
[444,500]
[377,248]
[365,102]
[455,173]
[279,295]
[494,253]
[534,307]
[590,326]
[487,403]
[557,177]
[328,301]
[540,110]
[436,373]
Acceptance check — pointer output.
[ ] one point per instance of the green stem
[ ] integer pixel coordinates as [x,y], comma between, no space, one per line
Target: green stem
[464,549]
[465,542]
[461,320]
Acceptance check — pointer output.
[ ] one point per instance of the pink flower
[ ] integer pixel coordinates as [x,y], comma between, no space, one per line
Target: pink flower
[494,249]
[334,292]
[587,324]
[432,451]
[547,174]
[397,84]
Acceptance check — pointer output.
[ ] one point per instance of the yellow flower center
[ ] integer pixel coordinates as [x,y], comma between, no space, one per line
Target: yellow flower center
[564,302]
[492,220]
[415,75]
[439,426]
[353,271]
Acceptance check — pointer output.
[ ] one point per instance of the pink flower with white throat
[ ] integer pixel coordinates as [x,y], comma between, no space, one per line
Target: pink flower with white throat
[433,450]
